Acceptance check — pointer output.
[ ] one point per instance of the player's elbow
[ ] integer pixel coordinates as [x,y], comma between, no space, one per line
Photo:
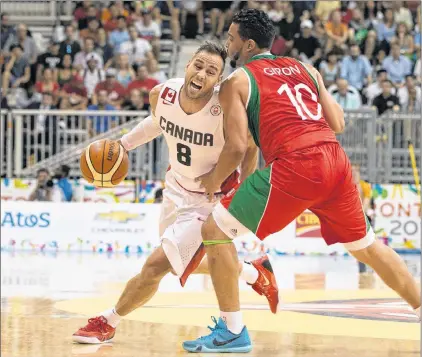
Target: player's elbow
[340,127]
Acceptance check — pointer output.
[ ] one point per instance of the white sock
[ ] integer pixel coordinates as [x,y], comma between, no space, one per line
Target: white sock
[418,312]
[233,320]
[113,318]
[249,273]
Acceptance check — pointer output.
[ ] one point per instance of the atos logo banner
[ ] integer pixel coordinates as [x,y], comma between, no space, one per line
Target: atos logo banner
[21,220]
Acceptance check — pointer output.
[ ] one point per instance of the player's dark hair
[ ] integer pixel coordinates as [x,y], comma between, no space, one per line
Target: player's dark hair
[214,49]
[255,25]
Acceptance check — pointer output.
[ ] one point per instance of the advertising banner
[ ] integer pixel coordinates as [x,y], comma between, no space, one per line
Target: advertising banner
[307,226]
[133,228]
[398,215]
[80,226]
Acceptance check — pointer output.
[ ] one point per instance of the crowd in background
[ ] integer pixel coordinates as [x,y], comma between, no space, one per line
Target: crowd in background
[107,57]
[367,52]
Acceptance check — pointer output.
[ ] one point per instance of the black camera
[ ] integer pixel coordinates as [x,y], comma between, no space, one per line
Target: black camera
[49,184]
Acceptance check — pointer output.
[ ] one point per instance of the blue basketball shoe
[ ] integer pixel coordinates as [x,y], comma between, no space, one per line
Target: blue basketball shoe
[220,340]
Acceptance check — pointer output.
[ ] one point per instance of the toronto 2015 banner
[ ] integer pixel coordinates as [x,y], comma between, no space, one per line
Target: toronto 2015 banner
[124,219]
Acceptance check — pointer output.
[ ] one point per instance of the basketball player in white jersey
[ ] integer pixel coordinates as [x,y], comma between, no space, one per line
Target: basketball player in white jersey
[187,112]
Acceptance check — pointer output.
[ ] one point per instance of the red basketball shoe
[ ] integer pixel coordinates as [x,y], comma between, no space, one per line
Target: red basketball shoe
[97,331]
[266,284]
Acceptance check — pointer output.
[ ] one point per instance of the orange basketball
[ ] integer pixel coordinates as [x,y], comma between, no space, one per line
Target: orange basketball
[104,163]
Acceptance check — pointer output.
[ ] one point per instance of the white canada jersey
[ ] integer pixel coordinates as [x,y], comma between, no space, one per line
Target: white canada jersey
[195,141]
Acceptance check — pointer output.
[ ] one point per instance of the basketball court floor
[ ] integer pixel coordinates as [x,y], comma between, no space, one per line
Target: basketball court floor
[328,309]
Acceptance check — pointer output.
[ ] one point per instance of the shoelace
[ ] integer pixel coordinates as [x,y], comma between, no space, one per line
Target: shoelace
[95,323]
[212,329]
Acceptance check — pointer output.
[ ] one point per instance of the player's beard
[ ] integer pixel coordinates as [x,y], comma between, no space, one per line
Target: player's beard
[233,62]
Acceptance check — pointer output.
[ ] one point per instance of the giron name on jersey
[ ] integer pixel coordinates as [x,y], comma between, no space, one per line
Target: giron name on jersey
[278,71]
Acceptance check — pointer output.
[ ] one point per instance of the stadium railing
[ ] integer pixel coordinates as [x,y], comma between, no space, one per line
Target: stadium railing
[34,139]
[35,11]
[6,143]
[358,140]
[380,144]
[50,138]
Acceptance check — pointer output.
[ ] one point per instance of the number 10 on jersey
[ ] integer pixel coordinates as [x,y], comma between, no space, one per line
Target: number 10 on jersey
[296,99]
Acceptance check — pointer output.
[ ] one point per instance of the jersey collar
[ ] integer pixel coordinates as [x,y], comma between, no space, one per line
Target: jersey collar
[267,54]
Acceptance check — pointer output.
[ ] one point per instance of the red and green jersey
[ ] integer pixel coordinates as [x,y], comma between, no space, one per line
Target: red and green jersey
[284,113]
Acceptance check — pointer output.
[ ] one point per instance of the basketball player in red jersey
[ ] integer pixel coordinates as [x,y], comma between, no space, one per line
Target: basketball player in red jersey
[293,120]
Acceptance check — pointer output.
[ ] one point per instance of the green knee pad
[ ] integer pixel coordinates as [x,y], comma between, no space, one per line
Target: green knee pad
[214,242]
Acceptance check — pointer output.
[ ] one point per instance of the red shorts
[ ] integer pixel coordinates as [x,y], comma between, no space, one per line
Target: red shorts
[318,179]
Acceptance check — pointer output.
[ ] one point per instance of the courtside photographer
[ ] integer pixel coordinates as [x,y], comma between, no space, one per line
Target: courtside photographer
[44,190]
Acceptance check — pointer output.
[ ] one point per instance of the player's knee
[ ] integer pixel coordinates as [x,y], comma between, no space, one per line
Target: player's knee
[210,230]
[368,254]
[154,271]
[156,267]
[212,234]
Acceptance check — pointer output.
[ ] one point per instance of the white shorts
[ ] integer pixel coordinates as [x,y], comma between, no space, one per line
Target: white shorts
[182,215]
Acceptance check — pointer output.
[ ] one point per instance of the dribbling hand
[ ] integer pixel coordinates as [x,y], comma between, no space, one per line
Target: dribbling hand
[120,143]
